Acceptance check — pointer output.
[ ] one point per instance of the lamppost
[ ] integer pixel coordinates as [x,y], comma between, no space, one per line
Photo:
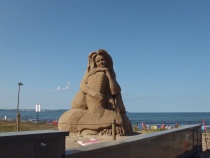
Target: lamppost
[18,114]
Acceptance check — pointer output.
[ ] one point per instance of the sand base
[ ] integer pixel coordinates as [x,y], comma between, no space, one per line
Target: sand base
[71,140]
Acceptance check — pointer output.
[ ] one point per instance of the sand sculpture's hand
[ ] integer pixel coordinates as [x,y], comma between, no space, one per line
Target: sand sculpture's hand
[104,69]
[120,130]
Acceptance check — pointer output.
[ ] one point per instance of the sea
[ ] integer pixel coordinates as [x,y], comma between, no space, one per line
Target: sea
[151,118]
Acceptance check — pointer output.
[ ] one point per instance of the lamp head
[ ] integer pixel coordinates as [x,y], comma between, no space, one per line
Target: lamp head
[20,84]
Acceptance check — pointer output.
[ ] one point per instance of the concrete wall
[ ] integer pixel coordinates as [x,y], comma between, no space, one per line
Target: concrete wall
[182,142]
[33,144]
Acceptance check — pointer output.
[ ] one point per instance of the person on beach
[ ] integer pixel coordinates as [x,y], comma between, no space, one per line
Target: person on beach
[144,127]
[176,125]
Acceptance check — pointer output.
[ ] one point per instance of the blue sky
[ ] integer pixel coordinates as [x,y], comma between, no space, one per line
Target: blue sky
[160,49]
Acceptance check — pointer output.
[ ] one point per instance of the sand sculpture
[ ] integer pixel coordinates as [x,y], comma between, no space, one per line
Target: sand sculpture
[98,102]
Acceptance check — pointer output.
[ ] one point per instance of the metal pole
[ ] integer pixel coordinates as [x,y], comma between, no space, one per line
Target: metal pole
[18,97]
[17,113]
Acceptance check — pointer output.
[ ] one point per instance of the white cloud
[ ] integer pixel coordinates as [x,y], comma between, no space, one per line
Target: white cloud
[60,89]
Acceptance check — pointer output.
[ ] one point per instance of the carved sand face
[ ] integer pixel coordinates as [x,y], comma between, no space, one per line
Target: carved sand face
[100,61]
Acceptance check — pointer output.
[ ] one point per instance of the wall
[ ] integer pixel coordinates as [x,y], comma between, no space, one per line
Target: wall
[33,144]
[182,142]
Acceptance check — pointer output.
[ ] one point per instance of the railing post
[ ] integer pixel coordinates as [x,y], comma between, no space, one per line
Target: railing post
[114,129]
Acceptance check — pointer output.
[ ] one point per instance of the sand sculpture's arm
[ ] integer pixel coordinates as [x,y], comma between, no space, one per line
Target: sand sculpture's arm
[112,83]
[116,92]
